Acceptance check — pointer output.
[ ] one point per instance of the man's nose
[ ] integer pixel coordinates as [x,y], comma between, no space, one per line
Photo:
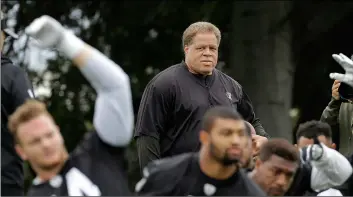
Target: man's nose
[46,142]
[207,51]
[281,180]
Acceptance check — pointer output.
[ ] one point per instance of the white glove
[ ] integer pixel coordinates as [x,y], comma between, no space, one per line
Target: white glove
[347,64]
[51,34]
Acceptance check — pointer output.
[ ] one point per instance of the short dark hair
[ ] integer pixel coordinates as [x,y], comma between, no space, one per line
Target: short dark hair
[312,129]
[218,112]
[279,147]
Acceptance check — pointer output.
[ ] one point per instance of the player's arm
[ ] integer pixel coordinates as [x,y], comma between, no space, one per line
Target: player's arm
[246,109]
[113,117]
[332,169]
[21,88]
[152,117]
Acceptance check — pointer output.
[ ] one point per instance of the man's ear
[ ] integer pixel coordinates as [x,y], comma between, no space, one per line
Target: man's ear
[258,163]
[186,49]
[204,136]
[333,146]
[20,152]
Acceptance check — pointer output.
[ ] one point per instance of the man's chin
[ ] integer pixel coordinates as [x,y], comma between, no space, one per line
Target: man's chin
[228,162]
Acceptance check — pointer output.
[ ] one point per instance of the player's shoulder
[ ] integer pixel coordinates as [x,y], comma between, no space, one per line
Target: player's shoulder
[169,166]
[252,186]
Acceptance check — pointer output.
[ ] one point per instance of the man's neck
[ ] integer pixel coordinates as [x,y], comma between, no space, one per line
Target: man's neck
[214,169]
[46,175]
[194,72]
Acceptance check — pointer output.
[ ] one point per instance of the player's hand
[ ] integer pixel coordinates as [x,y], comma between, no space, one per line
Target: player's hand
[312,152]
[335,93]
[347,64]
[47,31]
[257,142]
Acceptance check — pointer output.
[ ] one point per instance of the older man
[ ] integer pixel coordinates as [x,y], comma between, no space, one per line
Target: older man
[174,101]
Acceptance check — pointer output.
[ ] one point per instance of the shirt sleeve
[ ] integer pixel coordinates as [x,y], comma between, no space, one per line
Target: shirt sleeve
[331,112]
[154,108]
[21,88]
[147,149]
[113,114]
[333,169]
[246,109]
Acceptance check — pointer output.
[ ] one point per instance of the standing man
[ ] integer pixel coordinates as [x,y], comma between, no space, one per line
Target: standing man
[214,171]
[97,166]
[174,101]
[15,89]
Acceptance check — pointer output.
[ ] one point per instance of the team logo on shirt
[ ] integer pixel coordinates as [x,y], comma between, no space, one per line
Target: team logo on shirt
[229,95]
[209,189]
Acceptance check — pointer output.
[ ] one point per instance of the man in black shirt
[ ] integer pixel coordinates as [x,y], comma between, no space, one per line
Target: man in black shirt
[214,171]
[15,89]
[276,166]
[96,166]
[175,100]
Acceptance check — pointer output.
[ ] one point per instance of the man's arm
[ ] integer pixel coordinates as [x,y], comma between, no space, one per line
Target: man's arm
[246,109]
[331,112]
[331,170]
[151,119]
[113,118]
[21,88]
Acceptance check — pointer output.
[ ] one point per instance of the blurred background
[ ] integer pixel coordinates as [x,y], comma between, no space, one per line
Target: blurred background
[279,51]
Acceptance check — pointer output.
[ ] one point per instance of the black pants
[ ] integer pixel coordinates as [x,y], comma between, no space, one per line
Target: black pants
[11,190]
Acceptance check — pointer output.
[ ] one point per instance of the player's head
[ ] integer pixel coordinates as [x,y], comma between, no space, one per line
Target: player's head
[38,138]
[310,130]
[224,135]
[276,166]
[200,42]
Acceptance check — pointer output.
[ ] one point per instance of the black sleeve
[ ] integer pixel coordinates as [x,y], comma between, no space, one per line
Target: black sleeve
[246,109]
[152,116]
[155,182]
[21,88]
[147,149]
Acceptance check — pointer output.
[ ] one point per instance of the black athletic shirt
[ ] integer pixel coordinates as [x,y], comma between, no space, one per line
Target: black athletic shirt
[181,176]
[15,89]
[175,100]
[93,169]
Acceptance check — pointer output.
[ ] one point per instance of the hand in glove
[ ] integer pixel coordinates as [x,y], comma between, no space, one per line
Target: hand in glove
[347,64]
[51,34]
[312,152]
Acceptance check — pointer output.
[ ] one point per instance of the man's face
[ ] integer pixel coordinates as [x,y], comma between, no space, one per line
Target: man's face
[275,175]
[227,141]
[41,143]
[201,55]
[303,141]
